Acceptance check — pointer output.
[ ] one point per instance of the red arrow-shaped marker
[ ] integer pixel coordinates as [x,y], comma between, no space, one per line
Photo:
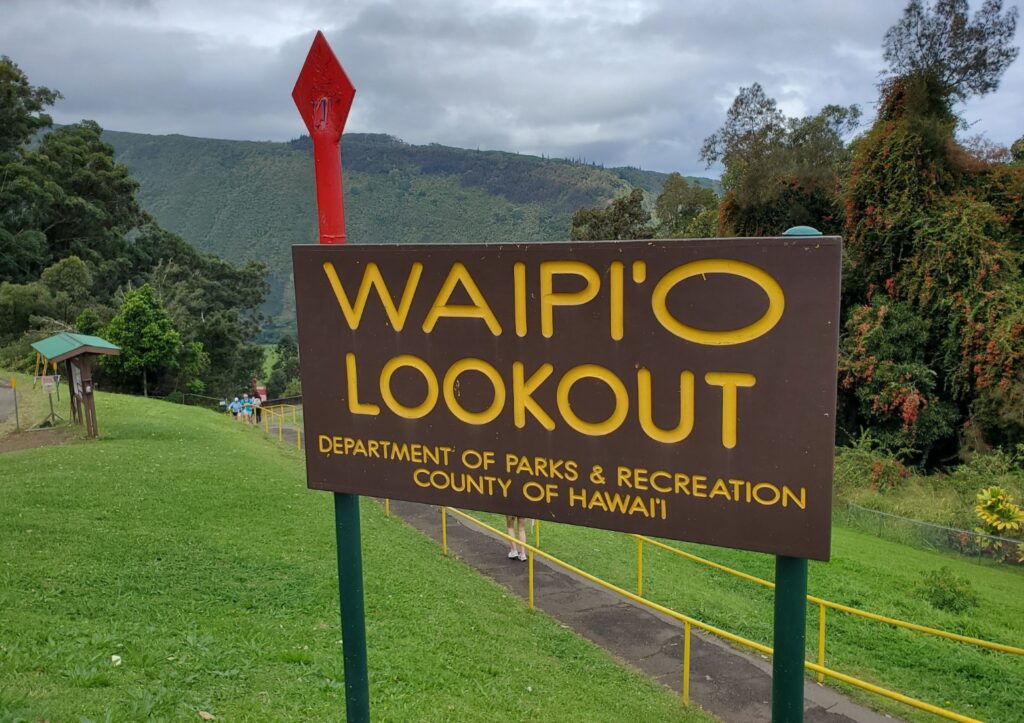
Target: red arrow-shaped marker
[323,95]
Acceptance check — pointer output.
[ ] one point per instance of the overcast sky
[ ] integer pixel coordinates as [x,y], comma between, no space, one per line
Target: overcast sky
[620,82]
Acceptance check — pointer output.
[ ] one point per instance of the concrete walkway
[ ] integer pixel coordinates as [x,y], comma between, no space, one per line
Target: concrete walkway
[6,400]
[733,685]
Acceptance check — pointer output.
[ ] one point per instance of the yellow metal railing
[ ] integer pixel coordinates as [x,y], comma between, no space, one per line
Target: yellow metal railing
[278,414]
[689,623]
[823,604]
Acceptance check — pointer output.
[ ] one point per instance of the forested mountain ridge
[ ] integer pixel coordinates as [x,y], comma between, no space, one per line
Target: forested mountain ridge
[245,200]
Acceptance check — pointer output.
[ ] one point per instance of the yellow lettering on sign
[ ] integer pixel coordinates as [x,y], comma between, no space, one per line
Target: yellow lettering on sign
[519,296]
[776,302]
[525,389]
[451,394]
[720,489]
[644,407]
[372,279]
[479,309]
[352,377]
[593,371]
[788,494]
[617,310]
[729,381]
[656,476]
[523,402]
[614,502]
[413,362]
[549,299]
[773,493]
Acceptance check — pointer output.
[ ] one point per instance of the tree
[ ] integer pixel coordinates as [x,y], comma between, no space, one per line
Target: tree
[679,203]
[623,219]
[19,303]
[967,56]
[21,108]
[193,283]
[20,252]
[285,370]
[88,322]
[91,204]
[754,128]
[70,283]
[703,225]
[933,232]
[210,301]
[67,197]
[233,361]
[779,171]
[149,342]
[22,246]
[885,380]
[1017,150]
[901,167]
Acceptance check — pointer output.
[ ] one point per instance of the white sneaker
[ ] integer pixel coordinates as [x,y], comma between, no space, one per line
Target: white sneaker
[512,554]
[522,557]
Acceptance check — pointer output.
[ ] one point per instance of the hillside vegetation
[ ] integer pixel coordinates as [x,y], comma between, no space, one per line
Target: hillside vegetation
[252,200]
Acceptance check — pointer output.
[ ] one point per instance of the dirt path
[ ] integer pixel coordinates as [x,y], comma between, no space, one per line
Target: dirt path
[36,438]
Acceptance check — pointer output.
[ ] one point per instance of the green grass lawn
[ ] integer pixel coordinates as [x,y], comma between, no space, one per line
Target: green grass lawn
[865,572]
[189,547]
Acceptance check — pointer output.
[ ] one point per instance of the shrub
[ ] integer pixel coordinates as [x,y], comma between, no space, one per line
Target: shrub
[866,464]
[1000,517]
[886,474]
[945,590]
[998,513]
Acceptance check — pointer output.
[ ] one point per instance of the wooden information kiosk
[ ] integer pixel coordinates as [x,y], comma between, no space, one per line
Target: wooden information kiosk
[77,350]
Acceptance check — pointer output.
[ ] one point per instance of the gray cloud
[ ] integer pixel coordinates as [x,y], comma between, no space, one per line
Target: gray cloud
[638,83]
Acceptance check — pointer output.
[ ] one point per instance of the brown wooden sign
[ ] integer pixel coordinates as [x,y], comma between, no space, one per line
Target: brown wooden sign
[683,389]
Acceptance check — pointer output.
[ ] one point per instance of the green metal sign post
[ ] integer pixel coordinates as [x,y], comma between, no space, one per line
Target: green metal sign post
[323,94]
[790,621]
[790,634]
[353,621]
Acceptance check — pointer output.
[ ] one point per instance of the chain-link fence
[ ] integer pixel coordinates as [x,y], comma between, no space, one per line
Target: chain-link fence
[196,400]
[929,536]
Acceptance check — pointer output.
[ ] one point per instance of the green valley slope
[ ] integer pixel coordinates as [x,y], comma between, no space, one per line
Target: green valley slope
[252,200]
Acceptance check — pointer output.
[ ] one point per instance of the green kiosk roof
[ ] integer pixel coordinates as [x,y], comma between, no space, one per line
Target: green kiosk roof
[65,345]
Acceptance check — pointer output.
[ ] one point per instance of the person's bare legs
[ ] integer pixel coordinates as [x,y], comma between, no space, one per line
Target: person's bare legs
[522,538]
[510,524]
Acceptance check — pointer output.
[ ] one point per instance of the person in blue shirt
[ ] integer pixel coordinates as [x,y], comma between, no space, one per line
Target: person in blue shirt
[246,409]
[235,407]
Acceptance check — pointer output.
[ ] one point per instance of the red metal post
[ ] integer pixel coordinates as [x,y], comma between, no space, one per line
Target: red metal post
[330,201]
[323,94]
